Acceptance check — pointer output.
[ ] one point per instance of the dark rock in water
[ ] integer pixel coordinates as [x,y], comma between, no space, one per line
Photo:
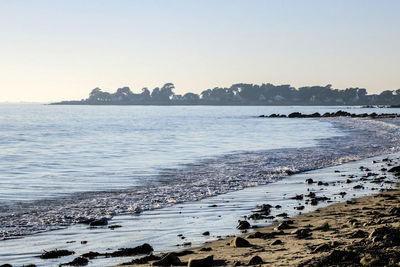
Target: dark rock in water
[168,260]
[358,187]
[206,233]
[284,214]
[395,169]
[311,195]
[80,261]
[112,227]
[125,252]
[91,255]
[239,242]
[243,225]
[99,222]
[278,206]
[348,181]
[204,262]
[142,260]
[309,181]
[58,253]
[255,260]
[295,115]
[297,197]
[6,265]
[276,242]
[29,265]
[314,202]
[299,207]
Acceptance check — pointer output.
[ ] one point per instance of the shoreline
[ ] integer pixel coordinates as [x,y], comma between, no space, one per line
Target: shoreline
[359,232]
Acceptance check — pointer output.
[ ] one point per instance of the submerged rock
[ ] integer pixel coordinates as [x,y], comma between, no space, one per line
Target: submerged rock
[99,222]
[57,253]
[80,261]
[243,225]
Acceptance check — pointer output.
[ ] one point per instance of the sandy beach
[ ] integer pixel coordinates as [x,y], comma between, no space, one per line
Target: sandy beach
[359,232]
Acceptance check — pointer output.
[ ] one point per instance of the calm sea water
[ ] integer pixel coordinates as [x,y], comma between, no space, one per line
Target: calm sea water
[48,151]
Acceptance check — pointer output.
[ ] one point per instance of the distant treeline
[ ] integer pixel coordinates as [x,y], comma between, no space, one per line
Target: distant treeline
[242,94]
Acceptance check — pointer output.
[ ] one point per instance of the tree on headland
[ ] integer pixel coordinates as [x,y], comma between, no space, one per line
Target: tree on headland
[244,94]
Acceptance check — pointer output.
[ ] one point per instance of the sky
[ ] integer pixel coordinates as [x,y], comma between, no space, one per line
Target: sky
[61,50]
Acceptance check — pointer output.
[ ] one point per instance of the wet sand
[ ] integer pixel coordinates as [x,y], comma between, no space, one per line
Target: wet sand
[360,232]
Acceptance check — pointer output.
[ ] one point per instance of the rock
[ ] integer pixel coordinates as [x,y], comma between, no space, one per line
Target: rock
[204,262]
[58,253]
[125,252]
[359,234]
[394,169]
[143,260]
[80,261]
[282,226]
[239,242]
[255,260]
[243,225]
[302,233]
[91,255]
[369,260]
[358,187]
[205,249]
[321,248]
[284,214]
[112,227]
[348,181]
[297,197]
[6,265]
[99,222]
[168,260]
[299,207]
[324,227]
[309,181]
[276,242]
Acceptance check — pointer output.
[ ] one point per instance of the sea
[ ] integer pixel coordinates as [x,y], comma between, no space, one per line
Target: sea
[163,171]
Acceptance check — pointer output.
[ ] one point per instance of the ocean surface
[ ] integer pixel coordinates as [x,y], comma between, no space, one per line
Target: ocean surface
[59,164]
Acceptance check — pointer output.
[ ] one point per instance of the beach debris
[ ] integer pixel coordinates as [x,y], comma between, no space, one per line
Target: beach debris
[167,260]
[125,252]
[57,253]
[80,261]
[239,242]
[99,222]
[256,260]
[243,225]
[203,262]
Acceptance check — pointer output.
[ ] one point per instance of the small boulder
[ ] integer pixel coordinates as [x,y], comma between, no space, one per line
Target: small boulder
[99,222]
[243,225]
[256,260]
[239,242]
[277,242]
[204,262]
[309,181]
[168,260]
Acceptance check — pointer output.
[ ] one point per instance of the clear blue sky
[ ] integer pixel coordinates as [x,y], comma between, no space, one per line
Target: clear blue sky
[57,50]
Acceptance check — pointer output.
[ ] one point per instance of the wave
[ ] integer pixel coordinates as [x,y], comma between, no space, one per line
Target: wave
[364,138]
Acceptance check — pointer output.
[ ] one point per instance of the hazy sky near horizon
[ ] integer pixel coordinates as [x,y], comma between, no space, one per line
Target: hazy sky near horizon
[59,50]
